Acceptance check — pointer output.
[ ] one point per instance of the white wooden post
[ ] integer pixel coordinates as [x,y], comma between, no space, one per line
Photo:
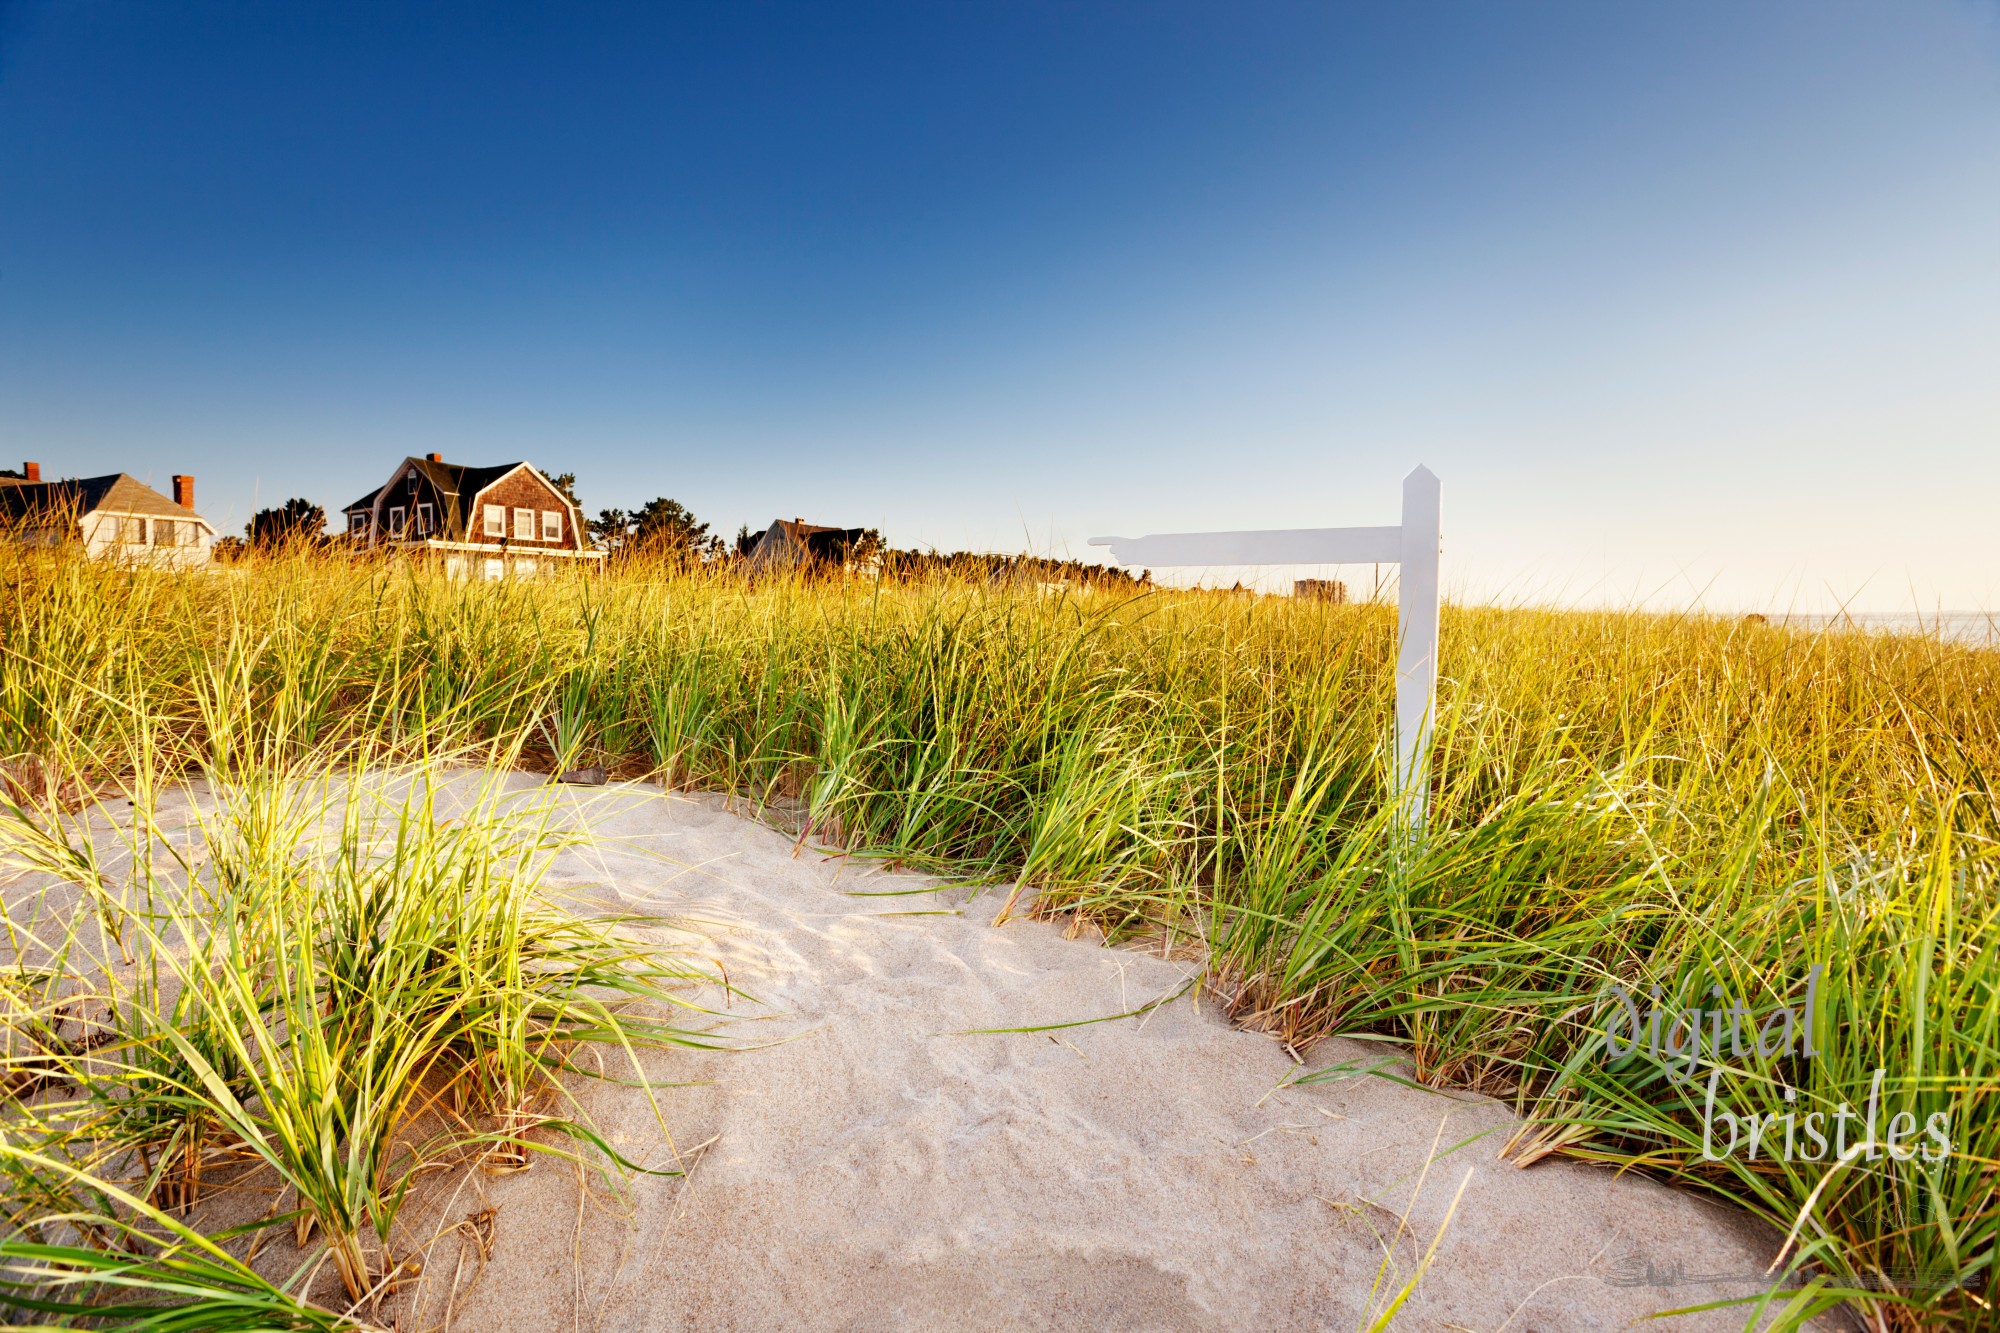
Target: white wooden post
[1416,649]
[1413,544]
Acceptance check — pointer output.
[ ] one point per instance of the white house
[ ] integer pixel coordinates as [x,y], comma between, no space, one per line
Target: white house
[116,518]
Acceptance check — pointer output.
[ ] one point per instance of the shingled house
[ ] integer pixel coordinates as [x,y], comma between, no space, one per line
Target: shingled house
[115,518]
[480,522]
[797,544]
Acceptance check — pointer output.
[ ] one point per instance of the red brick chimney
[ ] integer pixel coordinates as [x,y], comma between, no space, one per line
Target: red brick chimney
[435,458]
[33,471]
[184,491]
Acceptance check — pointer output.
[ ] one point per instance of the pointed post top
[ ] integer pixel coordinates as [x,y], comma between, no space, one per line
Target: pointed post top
[1421,492]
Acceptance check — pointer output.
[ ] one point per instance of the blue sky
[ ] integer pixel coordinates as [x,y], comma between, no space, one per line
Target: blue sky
[1683,302]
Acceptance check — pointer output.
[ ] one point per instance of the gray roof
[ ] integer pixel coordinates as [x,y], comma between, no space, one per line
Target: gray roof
[118,493]
[460,478]
[796,542]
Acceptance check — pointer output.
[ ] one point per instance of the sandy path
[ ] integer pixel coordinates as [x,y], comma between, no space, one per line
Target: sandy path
[881,1171]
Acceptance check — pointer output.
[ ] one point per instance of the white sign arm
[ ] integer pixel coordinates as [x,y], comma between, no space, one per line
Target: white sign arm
[1296,546]
[1414,544]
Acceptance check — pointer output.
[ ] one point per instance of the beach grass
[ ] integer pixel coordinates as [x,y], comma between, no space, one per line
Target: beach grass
[1750,819]
[247,942]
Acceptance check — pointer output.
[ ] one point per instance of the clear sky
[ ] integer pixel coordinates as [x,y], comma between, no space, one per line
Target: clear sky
[1682,301]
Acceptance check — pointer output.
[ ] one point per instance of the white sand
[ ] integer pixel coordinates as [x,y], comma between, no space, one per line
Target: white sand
[882,1171]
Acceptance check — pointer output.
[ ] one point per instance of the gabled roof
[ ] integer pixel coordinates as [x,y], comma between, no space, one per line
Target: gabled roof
[457,484]
[118,493]
[473,480]
[458,479]
[798,528]
[795,541]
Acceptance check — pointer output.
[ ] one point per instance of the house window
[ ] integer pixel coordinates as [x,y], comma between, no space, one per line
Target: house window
[396,521]
[551,526]
[496,570]
[165,532]
[425,519]
[357,521]
[132,531]
[524,525]
[496,521]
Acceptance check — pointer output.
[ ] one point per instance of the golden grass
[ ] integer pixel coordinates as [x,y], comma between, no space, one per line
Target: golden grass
[1618,798]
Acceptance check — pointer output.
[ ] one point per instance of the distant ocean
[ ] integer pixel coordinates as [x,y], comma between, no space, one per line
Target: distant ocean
[1980,628]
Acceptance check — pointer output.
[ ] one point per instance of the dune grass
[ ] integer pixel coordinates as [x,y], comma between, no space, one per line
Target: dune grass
[248,945]
[1619,799]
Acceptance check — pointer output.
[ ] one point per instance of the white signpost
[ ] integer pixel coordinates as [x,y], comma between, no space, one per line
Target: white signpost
[1414,544]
